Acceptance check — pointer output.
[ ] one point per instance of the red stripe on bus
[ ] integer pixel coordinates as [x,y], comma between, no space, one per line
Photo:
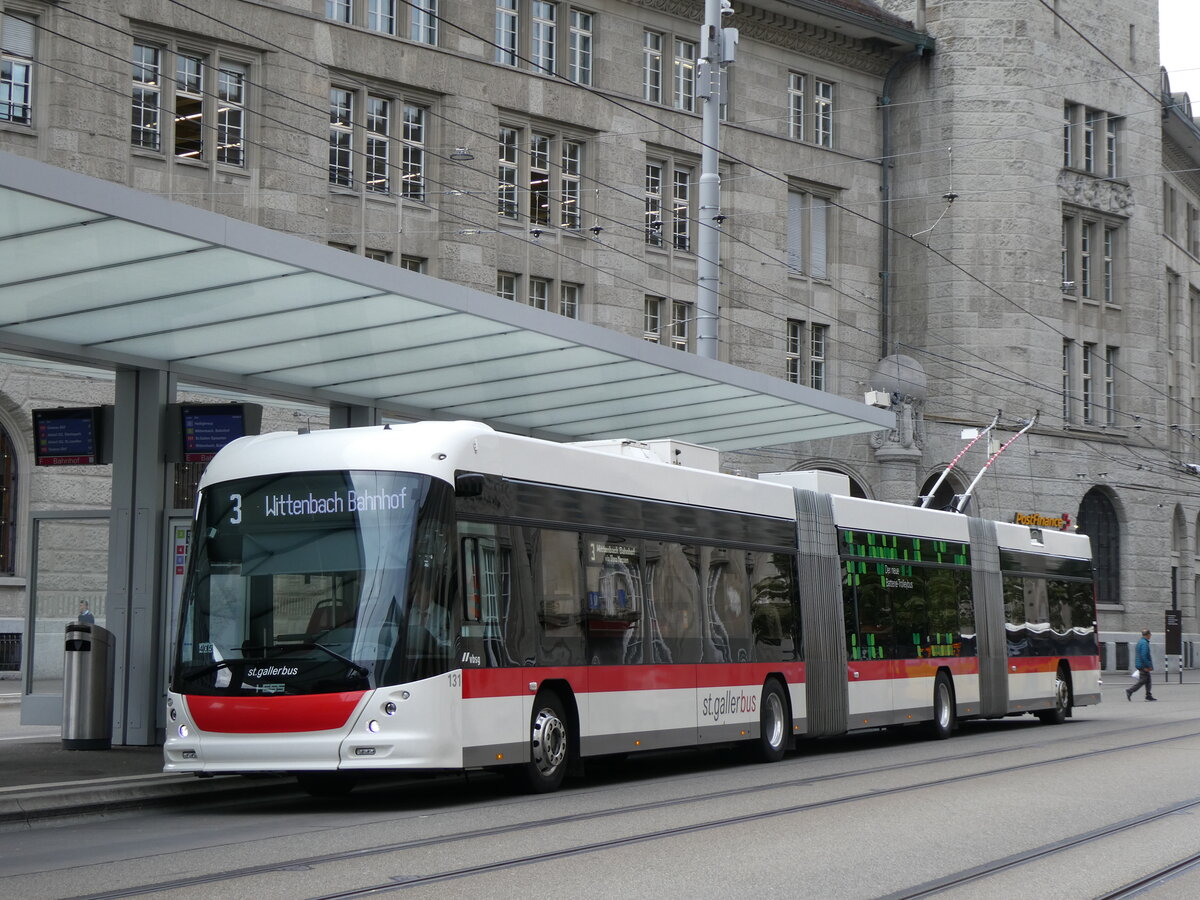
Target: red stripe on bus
[479,683]
[896,669]
[272,715]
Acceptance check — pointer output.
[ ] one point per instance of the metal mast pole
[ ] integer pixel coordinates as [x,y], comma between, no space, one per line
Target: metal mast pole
[708,263]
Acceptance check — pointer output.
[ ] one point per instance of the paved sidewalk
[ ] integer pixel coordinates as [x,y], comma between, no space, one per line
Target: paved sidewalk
[39,779]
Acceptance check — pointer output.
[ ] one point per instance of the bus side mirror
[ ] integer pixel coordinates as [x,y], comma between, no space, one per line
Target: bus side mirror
[468,484]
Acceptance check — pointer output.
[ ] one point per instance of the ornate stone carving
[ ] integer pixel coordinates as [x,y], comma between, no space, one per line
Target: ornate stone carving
[909,433]
[1099,194]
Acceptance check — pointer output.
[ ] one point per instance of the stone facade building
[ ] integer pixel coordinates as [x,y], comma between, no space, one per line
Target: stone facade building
[964,206]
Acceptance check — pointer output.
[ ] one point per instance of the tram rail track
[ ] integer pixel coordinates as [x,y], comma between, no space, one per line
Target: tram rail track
[399,883]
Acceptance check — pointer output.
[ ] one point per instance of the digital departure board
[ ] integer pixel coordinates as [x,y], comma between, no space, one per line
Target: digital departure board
[67,436]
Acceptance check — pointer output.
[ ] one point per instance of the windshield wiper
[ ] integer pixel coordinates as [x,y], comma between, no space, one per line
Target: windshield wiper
[209,669]
[363,671]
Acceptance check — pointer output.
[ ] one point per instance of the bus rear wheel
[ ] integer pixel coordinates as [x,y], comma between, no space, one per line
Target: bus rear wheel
[942,725]
[1062,701]
[772,723]
[549,747]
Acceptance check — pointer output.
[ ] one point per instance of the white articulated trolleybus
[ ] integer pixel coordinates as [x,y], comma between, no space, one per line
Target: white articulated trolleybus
[441,596]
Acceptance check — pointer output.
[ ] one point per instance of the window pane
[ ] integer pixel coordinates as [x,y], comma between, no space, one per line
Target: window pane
[414,152]
[146,94]
[652,67]
[231,115]
[424,23]
[378,148]
[580,69]
[341,116]
[506,174]
[506,32]
[381,15]
[544,38]
[685,75]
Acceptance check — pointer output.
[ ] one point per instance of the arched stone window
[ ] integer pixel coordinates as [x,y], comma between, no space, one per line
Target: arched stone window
[1098,520]
[8,504]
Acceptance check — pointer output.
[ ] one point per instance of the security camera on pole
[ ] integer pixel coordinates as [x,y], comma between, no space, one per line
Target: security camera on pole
[718,46]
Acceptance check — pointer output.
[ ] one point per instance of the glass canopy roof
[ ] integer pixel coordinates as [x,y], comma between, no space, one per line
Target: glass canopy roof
[97,273]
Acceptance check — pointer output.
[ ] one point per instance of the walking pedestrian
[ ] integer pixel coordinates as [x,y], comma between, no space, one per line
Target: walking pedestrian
[1144,663]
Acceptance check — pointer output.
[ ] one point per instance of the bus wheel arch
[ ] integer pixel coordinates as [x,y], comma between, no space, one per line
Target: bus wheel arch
[775,721]
[945,717]
[1064,693]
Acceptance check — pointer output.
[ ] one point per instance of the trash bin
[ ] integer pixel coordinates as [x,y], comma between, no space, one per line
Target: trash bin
[87,688]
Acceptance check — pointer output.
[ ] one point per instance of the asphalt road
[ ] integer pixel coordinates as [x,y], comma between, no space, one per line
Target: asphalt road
[1011,808]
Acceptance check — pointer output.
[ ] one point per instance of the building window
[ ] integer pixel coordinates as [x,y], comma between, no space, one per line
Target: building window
[1110,147]
[816,356]
[417,18]
[1170,228]
[1192,229]
[1086,386]
[1067,352]
[506,286]
[579,67]
[1109,245]
[652,319]
[1098,520]
[652,66]
[1068,150]
[680,212]
[539,293]
[381,16]
[1089,258]
[681,325]
[1085,258]
[810,114]
[1083,130]
[682,63]
[805,354]
[337,10]
[506,32]
[568,299]
[548,174]
[147,88]
[796,110]
[544,36]
[341,137]
[414,263]
[8,504]
[808,234]
[543,294]
[423,21]
[382,256]
[794,352]
[823,113]
[677,333]
[379,135]
[684,71]
[200,113]
[1110,385]
[16,69]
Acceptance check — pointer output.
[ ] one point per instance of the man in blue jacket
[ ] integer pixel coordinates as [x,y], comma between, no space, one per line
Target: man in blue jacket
[1144,664]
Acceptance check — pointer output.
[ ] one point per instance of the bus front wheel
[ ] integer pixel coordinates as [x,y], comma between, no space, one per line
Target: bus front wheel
[549,747]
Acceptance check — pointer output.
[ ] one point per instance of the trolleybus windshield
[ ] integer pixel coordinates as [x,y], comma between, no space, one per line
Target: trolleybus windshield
[316,582]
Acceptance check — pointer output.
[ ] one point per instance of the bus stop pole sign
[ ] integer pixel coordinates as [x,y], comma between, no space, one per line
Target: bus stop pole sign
[1172,632]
